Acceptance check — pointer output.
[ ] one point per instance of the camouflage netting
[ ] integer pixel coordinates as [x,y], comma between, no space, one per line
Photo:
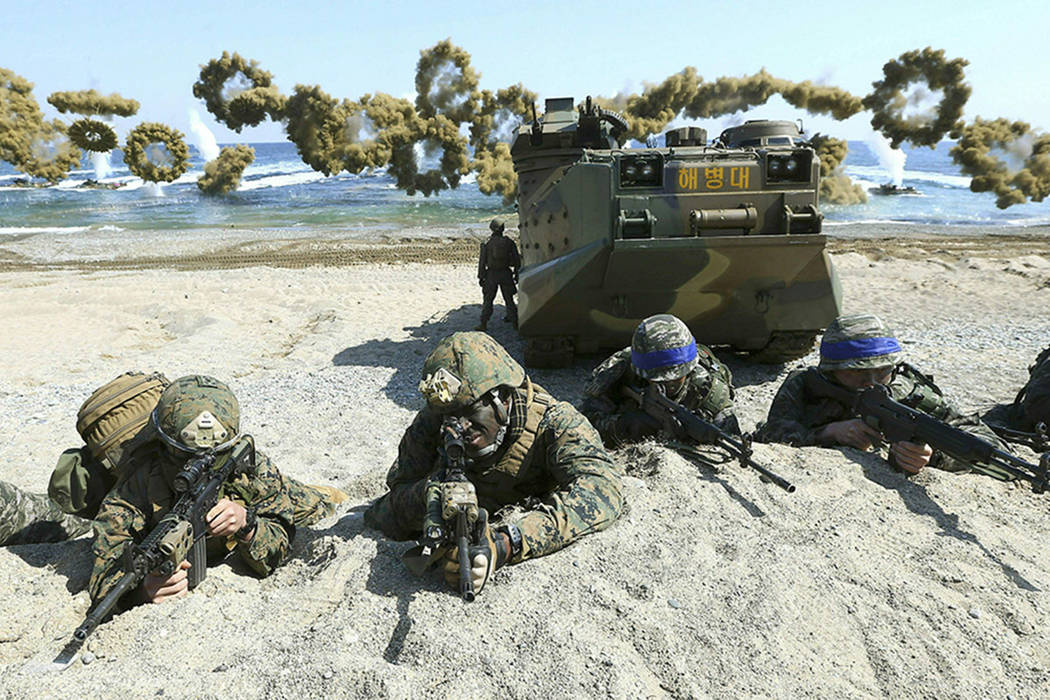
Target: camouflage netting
[156,152]
[888,101]
[93,103]
[93,135]
[1024,175]
[223,80]
[223,174]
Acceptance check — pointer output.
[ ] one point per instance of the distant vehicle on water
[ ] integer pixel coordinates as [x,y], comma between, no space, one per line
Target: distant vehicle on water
[889,189]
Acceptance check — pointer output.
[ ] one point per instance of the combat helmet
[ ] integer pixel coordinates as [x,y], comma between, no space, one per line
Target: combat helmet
[859,341]
[663,349]
[197,413]
[496,226]
[463,368]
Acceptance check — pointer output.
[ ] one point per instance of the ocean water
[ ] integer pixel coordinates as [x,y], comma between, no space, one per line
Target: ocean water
[280,193]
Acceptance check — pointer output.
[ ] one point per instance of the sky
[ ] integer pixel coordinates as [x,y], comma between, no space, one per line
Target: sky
[152,52]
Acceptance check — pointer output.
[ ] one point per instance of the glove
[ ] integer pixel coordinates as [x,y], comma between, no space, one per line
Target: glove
[636,425]
[488,555]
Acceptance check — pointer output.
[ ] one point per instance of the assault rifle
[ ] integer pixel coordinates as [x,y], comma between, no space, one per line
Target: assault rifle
[452,522]
[898,422]
[1037,439]
[180,533]
[681,421]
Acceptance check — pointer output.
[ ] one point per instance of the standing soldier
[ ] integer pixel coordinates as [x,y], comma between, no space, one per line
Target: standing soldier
[523,448]
[498,267]
[663,352]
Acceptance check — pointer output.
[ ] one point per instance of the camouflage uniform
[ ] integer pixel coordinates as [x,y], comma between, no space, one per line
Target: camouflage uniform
[130,511]
[707,391]
[135,506]
[1032,405]
[551,463]
[30,518]
[498,266]
[797,416]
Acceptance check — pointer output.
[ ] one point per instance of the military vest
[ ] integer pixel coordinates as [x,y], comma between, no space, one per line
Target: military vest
[519,472]
[499,253]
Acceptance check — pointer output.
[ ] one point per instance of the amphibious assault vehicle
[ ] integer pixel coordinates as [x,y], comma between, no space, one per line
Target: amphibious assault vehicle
[725,236]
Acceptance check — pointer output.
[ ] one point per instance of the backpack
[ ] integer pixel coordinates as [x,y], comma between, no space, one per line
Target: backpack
[1032,405]
[108,420]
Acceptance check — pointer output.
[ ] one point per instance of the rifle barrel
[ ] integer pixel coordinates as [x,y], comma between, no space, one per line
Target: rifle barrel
[106,605]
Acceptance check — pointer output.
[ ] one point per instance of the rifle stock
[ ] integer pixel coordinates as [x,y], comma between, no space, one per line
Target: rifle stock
[900,423]
[670,412]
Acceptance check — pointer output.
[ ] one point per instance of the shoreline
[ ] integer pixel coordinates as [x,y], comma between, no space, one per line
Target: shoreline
[203,249]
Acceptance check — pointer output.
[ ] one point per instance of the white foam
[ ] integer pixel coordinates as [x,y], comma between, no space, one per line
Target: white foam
[42,229]
[281,180]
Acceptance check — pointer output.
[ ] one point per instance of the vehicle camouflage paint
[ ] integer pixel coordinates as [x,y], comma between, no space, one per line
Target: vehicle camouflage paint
[725,236]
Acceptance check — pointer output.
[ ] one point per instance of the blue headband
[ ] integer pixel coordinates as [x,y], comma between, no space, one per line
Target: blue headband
[663,358]
[856,349]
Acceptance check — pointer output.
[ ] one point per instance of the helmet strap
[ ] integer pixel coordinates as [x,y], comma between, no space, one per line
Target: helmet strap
[503,416]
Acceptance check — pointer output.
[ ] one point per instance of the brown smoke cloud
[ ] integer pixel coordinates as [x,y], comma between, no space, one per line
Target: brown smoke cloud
[93,135]
[20,116]
[50,154]
[333,135]
[1006,158]
[888,100]
[685,93]
[32,145]
[835,186]
[446,84]
[93,103]
[156,152]
[223,80]
[223,174]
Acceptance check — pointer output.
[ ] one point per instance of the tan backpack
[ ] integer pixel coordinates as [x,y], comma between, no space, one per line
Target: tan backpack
[115,413]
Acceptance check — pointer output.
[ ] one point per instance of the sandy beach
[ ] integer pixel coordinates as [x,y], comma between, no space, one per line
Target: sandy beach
[862,583]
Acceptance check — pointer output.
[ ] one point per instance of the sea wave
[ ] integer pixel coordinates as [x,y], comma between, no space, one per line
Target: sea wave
[281,180]
[19,230]
[878,175]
